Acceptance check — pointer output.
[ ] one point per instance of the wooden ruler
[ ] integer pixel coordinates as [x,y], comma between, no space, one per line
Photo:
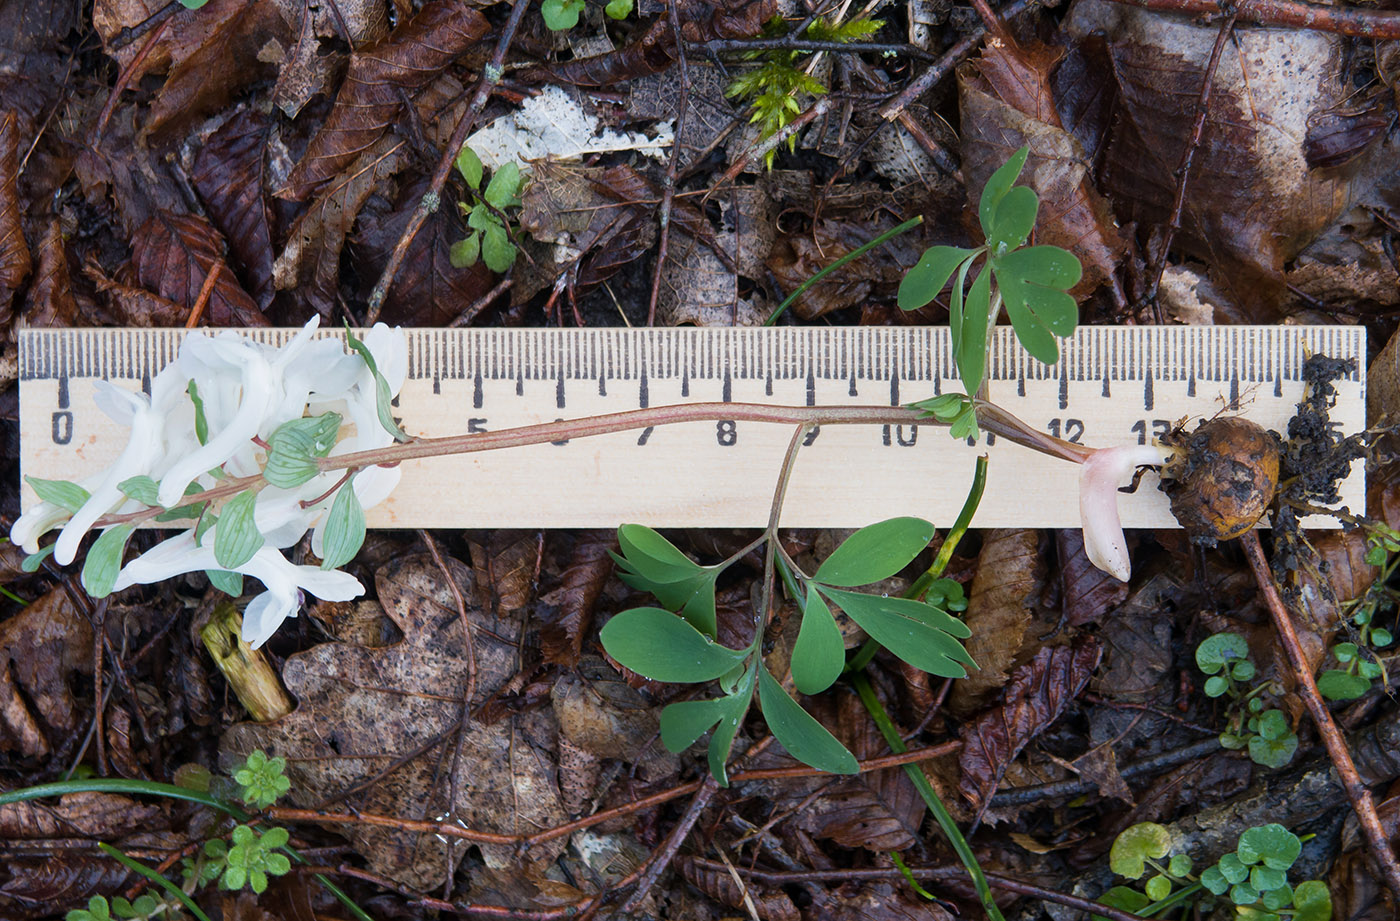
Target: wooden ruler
[1113,385]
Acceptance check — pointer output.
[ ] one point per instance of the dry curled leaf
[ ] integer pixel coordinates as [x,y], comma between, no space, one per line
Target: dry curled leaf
[1009,571]
[362,711]
[722,886]
[229,174]
[105,816]
[173,255]
[14,252]
[130,304]
[59,879]
[506,564]
[1035,698]
[41,648]
[376,83]
[50,300]
[1086,592]
[568,609]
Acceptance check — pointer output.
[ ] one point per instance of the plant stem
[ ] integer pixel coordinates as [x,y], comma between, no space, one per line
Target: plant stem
[929,795]
[137,867]
[849,257]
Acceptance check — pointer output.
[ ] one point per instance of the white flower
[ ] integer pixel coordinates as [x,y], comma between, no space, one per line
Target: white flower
[1099,479]
[282,579]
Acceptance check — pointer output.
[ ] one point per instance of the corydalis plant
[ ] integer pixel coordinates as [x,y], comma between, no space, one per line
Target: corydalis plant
[1032,282]
[228,441]
[678,643]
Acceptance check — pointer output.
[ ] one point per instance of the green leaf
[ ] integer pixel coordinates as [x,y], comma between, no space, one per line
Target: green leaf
[496,249]
[657,644]
[1273,725]
[1045,266]
[1137,844]
[1219,650]
[383,398]
[1267,878]
[1242,671]
[944,408]
[799,732]
[1179,865]
[469,165]
[464,253]
[918,633]
[930,274]
[1243,894]
[295,444]
[193,4]
[1035,337]
[875,552]
[1280,896]
[230,583]
[504,185]
[202,526]
[1312,902]
[104,560]
[820,652]
[1158,887]
[1124,898]
[972,352]
[618,9]
[1232,868]
[561,14]
[1015,217]
[141,488]
[480,217]
[955,318]
[1272,753]
[1344,652]
[1381,638]
[1273,845]
[1214,880]
[723,738]
[33,561]
[998,184]
[63,493]
[237,537]
[201,422]
[1216,685]
[682,724]
[1048,304]
[345,528]
[653,556]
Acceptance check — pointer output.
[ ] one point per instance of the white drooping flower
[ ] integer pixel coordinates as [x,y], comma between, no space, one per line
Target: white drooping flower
[1099,478]
[246,390]
[282,579]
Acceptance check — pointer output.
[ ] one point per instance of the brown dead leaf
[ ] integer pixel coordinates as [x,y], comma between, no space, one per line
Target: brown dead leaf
[132,305]
[604,716]
[887,901]
[105,816]
[1009,572]
[428,289]
[229,174]
[1008,102]
[50,300]
[877,810]
[701,287]
[722,886]
[1137,643]
[205,81]
[799,256]
[1252,202]
[60,879]
[43,645]
[568,610]
[1087,592]
[375,84]
[187,31]
[360,710]
[1035,698]
[14,252]
[173,254]
[506,564]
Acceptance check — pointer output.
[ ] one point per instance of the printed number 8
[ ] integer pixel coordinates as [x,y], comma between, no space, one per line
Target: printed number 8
[726,433]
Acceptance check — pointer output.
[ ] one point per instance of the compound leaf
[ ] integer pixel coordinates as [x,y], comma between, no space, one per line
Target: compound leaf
[875,552]
[657,644]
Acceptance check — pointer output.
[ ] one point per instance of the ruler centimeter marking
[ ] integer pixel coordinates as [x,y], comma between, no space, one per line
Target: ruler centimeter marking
[1112,385]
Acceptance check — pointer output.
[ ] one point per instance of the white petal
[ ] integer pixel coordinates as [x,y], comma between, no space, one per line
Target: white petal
[264,614]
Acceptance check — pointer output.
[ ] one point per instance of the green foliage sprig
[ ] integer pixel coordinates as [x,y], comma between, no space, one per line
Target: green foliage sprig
[1271,741]
[562,15]
[1032,282]
[1359,660]
[777,88]
[1253,877]
[678,643]
[487,239]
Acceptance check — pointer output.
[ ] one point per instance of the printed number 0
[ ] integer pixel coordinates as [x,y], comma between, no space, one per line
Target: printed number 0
[726,433]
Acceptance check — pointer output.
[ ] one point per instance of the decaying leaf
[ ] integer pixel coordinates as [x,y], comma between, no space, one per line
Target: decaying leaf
[375,86]
[229,174]
[570,606]
[14,252]
[1009,571]
[604,716]
[799,256]
[59,879]
[173,254]
[1007,103]
[1035,698]
[41,647]
[699,287]
[505,564]
[50,300]
[132,304]
[1252,202]
[361,710]
[95,815]
[1087,592]
[188,30]
[770,905]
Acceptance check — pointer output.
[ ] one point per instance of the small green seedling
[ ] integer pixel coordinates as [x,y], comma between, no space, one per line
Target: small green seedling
[1271,742]
[262,779]
[142,908]
[1253,878]
[1033,283]
[678,643]
[487,238]
[562,15]
[1360,663]
[777,89]
[252,858]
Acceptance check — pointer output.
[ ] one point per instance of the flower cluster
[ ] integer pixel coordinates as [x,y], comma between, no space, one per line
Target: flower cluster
[208,420]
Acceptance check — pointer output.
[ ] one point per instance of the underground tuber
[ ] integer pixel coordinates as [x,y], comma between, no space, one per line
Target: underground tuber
[1223,478]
